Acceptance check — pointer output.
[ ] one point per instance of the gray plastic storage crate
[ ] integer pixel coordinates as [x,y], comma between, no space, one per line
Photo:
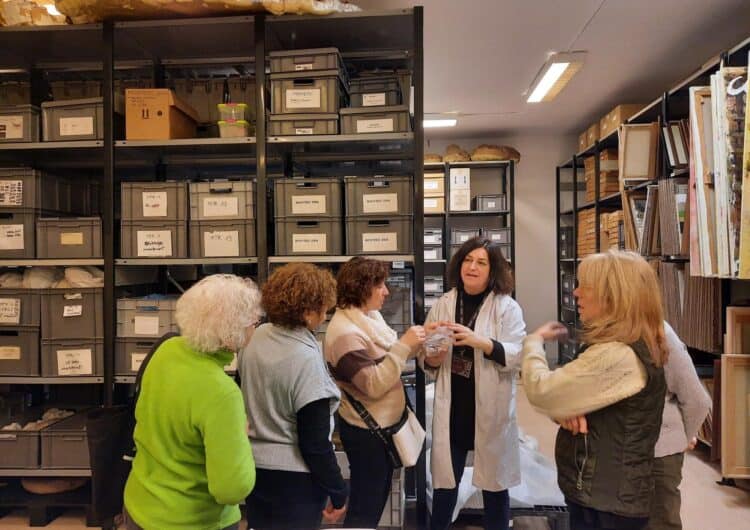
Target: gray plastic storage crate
[72,357]
[459,236]
[366,120]
[567,242]
[397,309]
[222,200]
[153,239]
[65,444]
[72,313]
[308,197]
[146,317]
[567,300]
[490,203]
[321,92]
[375,91]
[304,236]
[433,284]
[19,449]
[19,350]
[305,60]
[18,233]
[390,235]
[19,123]
[431,252]
[20,307]
[379,195]
[73,119]
[567,282]
[130,353]
[222,239]
[303,124]
[74,237]
[433,236]
[32,189]
[154,201]
[497,235]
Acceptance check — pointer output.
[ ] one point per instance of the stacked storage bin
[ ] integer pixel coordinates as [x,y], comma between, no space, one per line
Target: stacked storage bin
[379,214]
[19,123]
[459,236]
[433,290]
[308,216]
[308,88]
[376,106]
[154,220]
[19,332]
[433,243]
[222,219]
[500,236]
[72,332]
[434,193]
[140,323]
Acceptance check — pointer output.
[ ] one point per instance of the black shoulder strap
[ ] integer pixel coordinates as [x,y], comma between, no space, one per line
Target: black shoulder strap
[375,428]
[146,360]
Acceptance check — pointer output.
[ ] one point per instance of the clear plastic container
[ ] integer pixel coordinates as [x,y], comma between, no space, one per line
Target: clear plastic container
[438,342]
[232,111]
[233,128]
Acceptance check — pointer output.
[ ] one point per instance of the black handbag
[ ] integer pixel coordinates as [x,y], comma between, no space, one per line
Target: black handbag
[112,449]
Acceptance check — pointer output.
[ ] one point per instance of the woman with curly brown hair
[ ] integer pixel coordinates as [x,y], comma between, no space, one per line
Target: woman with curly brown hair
[366,359]
[290,400]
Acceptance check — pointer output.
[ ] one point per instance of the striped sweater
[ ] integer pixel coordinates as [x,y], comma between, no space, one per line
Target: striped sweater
[371,374]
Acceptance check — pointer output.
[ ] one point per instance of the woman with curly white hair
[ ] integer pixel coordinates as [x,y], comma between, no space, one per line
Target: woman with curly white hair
[193,462]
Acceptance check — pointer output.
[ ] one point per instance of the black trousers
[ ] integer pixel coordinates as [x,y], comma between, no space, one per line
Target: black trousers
[371,473]
[285,500]
[583,518]
[131,525]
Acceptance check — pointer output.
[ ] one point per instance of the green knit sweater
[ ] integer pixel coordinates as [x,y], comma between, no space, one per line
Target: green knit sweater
[193,463]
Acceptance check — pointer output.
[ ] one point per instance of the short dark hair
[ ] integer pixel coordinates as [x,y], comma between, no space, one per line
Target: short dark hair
[356,279]
[501,276]
[295,289]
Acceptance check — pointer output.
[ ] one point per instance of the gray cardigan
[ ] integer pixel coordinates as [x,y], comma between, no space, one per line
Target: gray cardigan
[687,403]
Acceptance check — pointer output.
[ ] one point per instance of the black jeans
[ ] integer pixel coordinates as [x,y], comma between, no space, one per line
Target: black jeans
[496,503]
[371,473]
[583,518]
[131,525]
[285,500]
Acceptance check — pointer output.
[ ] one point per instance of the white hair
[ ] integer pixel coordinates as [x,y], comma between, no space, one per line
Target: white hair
[217,313]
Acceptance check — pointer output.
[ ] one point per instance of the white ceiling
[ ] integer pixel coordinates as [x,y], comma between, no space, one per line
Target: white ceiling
[481,55]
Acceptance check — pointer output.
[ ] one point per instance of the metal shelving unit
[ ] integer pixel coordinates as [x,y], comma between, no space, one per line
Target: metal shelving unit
[140,262]
[393,258]
[45,472]
[61,380]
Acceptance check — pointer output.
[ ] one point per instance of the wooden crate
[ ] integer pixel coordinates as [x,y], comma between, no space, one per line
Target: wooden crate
[609,230]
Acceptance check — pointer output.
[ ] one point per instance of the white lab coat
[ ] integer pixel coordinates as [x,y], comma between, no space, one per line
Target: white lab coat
[496,449]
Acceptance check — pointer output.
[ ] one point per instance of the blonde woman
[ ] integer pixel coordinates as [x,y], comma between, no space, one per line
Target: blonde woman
[610,399]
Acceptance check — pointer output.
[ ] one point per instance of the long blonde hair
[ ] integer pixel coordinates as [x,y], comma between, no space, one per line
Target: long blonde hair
[627,291]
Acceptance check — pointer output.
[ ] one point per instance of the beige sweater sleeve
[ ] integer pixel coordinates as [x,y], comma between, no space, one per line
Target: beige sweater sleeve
[601,376]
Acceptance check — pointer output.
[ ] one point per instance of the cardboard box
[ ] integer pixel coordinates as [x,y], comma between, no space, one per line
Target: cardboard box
[157,114]
[434,185]
[608,154]
[617,117]
[583,139]
[592,134]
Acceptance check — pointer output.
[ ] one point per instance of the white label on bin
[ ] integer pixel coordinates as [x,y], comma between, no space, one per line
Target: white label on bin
[460,200]
[11,127]
[303,66]
[430,203]
[11,193]
[146,325]
[430,254]
[379,202]
[432,286]
[221,243]
[10,353]
[11,237]
[463,238]
[304,204]
[10,310]
[309,243]
[76,126]
[154,203]
[431,184]
[373,100]
[299,131]
[375,126]
[460,178]
[491,204]
[72,311]
[71,238]
[432,239]
[74,362]
[498,236]
[380,242]
[303,98]
[221,207]
[136,360]
[154,243]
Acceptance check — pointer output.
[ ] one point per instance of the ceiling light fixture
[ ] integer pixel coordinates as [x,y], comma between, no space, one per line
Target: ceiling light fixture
[442,122]
[554,75]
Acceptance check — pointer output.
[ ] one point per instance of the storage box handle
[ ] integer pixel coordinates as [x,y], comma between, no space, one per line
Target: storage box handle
[307,223]
[219,188]
[378,183]
[379,222]
[310,185]
[73,296]
[303,124]
[73,438]
[9,333]
[8,437]
[149,307]
[304,82]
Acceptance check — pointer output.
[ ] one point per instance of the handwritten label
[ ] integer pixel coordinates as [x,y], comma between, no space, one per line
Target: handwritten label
[373,100]
[375,126]
[309,243]
[11,127]
[10,310]
[154,203]
[303,131]
[146,326]
[72,311]
[221,243]
[71,238]
[154,243]
[380,242]
[11,237]
[380,203]
[303,98]
[433,286]
[76,126]
[11,193]
[10,353]
[74,362]
[308,204]
[460,178]
[136,360]
[221,207]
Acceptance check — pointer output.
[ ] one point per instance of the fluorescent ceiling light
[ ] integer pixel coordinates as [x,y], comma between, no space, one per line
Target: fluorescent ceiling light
[447,122]
[554,75]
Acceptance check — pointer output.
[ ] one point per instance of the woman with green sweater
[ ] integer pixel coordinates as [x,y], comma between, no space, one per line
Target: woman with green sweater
[193,462]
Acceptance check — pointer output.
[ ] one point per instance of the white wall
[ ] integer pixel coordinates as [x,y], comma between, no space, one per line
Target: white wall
[536,252]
